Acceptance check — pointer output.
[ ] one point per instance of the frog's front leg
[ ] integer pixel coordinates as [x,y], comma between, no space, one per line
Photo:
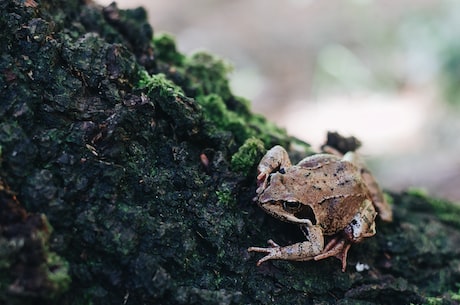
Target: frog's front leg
[275,159]
[302,251]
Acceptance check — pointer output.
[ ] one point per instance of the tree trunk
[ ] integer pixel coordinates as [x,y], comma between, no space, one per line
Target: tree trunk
[143,162]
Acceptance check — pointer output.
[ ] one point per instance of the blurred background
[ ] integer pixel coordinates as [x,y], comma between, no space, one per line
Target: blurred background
[387,72]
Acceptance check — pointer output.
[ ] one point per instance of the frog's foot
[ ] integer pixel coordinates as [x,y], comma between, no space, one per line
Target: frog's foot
[275,159]
[337,247]
[274,252]
[262,181]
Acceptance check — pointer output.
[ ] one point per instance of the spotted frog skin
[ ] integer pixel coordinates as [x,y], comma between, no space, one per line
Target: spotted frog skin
[325,195]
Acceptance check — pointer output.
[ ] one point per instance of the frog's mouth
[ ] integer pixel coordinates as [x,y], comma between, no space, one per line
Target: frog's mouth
[289,212]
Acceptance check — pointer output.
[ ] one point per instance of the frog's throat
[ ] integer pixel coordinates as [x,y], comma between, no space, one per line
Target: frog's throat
[292,218]
[276,211]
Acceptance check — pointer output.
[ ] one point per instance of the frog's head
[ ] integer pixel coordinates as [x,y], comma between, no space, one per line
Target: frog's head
[289,211]
[282,202]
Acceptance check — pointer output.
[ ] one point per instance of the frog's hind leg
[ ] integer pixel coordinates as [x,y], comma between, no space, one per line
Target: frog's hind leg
[337,247]
[303,251]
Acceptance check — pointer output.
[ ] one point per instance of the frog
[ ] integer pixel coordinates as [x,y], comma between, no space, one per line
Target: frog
[331,197]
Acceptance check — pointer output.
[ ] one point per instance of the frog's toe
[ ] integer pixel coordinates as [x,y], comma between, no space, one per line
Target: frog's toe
[337,248]
[272,253]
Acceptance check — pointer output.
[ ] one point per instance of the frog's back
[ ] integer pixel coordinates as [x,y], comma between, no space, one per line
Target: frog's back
[333,190]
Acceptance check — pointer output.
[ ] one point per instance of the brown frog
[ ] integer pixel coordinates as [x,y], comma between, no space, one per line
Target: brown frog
[326,195]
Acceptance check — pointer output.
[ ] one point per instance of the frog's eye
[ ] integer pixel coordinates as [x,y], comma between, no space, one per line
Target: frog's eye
[290,206]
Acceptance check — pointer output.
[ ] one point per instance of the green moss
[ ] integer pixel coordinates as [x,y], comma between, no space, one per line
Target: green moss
[225,195]
[165,49]
[58,273]
[446,211]
[184,111]
[270,133]
[417,191]
[240,122]
[222,119]
[248,155]
[208,75]
[456,295]
[433,301]
[162,86]
[204,77]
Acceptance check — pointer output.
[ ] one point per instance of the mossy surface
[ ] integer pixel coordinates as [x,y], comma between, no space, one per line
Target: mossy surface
[29,271]
[143,162]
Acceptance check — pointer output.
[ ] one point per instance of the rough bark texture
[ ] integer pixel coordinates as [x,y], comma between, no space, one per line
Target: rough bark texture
[143,163]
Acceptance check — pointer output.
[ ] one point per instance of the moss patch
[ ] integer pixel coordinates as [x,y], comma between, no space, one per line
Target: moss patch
[248,156]
[444,210]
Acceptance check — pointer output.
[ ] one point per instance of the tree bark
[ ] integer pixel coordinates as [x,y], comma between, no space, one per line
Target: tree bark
[143,162]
